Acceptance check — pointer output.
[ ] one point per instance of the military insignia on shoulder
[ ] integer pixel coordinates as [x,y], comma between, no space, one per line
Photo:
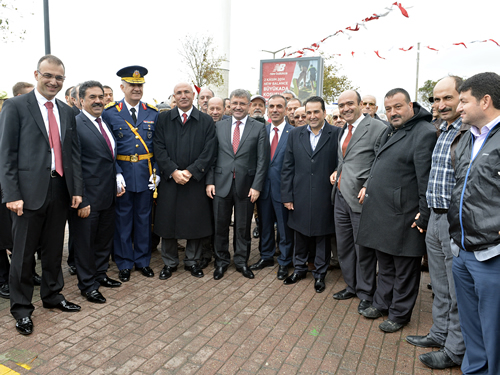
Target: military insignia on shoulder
[153,107]
[109,105]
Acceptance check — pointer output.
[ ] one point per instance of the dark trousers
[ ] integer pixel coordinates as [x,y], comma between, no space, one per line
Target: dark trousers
[44,226]
[270,212]
[92,238]
[322,245]
[358,263]
[133,215]
[243,211]
[398,283]
[170,253]
[5,243]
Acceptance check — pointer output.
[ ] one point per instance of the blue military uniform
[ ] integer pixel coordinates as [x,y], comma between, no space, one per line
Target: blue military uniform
[134,148]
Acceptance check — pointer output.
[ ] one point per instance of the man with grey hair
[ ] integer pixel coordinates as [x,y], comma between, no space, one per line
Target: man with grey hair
[203,97]
[236,180]
[289,95]
[370,107]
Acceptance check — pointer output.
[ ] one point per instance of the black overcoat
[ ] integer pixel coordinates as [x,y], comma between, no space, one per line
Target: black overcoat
[305,180]
[396,189]
[184,211]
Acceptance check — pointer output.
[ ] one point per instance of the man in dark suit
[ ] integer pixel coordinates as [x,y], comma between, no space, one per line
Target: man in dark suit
[310,159]
[41,176]
[271,209]
[184,147]
[358,141]
[92,223]
[395,210]
[236,181]
[133,124]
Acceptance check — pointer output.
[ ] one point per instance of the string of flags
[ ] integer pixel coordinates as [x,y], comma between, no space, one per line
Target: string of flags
[347,32]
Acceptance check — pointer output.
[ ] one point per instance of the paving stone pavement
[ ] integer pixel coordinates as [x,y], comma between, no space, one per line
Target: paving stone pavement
[186,325]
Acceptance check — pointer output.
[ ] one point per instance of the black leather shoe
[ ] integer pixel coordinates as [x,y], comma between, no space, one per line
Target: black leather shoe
[5,291]
[124,275]
[166,272]
[204,263]
[72,270]
[219,272]
[437,360]
[372,312]
[282,272]
[245,271]
[363,305]
[389,326]
[37,280]
[423,341]
[24,326]
[344,294]
[64,305]
[94,296]
[319,285]
[261,264]
[195,270]
[109,283]
[255,232]
[146,271]
[293,278]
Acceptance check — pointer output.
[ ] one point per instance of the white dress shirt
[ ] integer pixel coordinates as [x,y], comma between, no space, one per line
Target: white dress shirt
[105,127]
[45,115]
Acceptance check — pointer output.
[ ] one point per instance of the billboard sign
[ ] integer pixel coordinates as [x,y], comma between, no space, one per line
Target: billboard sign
[303,76]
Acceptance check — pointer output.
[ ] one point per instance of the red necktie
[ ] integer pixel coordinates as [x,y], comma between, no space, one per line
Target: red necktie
[104,135]
[185,118]
[55,141]
[344,148]
[274,142]
[346,140]
[236,136]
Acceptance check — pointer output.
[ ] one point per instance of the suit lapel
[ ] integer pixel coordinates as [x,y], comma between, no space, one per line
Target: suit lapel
[62,119]
[358,134]
[226,129]
[37,115]
[325,136]
[304,139]
[248,128]
[125,114]
[400,134]
[283,139]
[142,113]
[93,129]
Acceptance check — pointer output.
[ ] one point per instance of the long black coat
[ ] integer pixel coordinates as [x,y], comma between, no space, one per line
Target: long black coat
[396,189]
[305,180]
[184,211]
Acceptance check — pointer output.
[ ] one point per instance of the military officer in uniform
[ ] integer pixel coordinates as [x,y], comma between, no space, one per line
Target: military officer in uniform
[133,124]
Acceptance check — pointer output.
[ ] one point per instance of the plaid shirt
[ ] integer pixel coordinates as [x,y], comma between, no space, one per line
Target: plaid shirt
[442,175]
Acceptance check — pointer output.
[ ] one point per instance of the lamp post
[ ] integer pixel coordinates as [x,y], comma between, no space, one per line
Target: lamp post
[275,52]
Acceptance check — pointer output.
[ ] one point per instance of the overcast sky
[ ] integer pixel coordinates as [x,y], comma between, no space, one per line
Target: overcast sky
[97,38]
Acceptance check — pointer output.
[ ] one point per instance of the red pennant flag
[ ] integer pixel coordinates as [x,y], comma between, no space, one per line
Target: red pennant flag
[315,45]
[350,28]
[310,49]
[433,48]
[383,58]
[352,53]
[403,10]
[197,88]
[461,43]
[284,54]
[406,50]
[322,40]
[494,42]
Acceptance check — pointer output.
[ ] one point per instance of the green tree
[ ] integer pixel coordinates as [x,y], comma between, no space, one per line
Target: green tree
[200,56]
[5,31]
[425,92]
[334,83]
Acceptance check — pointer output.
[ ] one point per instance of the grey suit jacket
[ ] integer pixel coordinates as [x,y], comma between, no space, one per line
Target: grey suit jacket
[250,162]
[356,164]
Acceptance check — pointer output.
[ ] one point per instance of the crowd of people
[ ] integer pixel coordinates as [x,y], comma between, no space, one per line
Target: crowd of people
[370,195]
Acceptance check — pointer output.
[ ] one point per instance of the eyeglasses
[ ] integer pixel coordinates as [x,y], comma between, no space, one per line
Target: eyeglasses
[370,104]
[50,76]
[335,117]
[300,117]
[431,99]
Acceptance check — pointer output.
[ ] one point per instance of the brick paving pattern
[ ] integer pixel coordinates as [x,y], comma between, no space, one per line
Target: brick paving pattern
[186,325]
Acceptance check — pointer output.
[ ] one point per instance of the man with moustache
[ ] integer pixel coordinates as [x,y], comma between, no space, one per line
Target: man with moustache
[203,97]
[370,108]
[445,332]
[133,123]
[236,180]
[475,222]
[184,146]
[291,107]
[271,210]
[257,108]
[300,117]
[395,212]
[41,177]
[358,141]
[338,121]
[92,223]
[310,158]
